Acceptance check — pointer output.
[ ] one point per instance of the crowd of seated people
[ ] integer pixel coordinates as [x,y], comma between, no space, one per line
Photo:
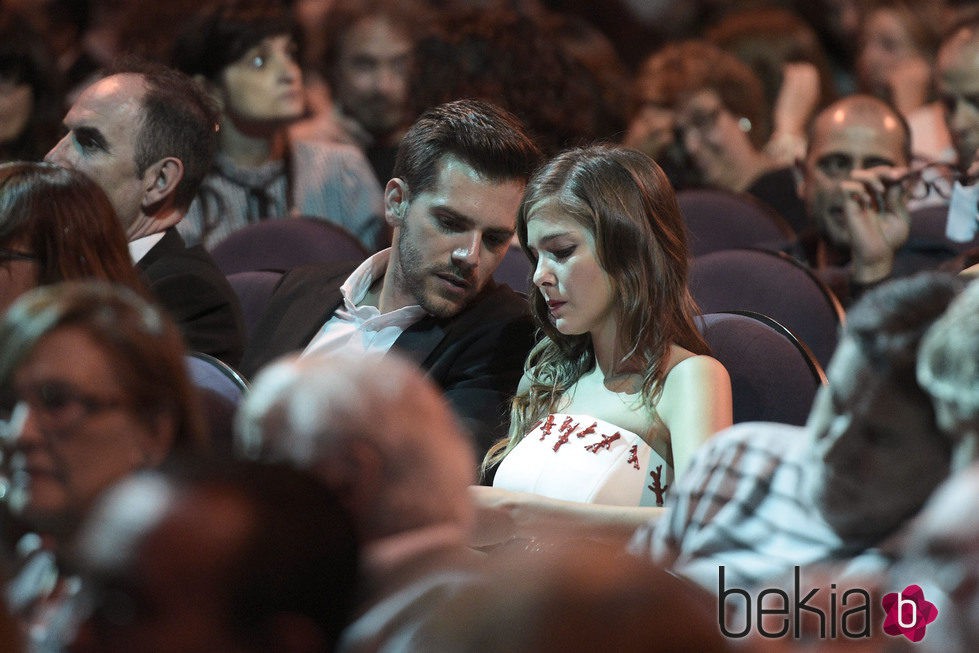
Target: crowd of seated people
[424,459]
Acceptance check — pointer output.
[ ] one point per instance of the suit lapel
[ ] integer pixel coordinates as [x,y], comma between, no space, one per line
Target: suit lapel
[420,339]
[170,242]
[302,320]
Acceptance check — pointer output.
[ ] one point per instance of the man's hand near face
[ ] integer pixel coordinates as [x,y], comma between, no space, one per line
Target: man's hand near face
[877,218]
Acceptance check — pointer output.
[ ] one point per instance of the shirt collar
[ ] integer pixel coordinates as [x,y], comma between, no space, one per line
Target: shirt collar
[359,283]
[138,248]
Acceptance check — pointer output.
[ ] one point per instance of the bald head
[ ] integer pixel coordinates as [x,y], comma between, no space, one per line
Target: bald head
[958,86]
[856,133]
[374,428]
[866,118]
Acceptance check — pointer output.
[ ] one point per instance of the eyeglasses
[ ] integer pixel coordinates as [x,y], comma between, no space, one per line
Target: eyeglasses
[701,119]
[939,178]
[56,405]
[14,255]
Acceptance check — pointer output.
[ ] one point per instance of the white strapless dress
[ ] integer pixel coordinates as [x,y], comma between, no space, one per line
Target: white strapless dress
[580,458]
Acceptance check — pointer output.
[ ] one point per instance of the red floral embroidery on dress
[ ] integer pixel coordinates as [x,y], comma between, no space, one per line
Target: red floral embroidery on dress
[548,425]
[606,442]
[588,431]
[634,456]
[567,428]
[561,441]
[657,487]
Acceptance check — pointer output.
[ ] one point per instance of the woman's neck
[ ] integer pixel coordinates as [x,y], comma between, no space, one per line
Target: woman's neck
[609,356]
[254,148]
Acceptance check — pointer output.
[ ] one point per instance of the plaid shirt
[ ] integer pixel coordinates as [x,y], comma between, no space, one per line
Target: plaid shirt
[744,502]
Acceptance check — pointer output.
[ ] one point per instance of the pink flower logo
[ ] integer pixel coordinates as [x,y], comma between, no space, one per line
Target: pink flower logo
[908,613]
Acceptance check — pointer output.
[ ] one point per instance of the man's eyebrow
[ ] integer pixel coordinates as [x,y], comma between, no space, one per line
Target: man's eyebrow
[501,231]
[825,156]
[448,211]
[874,161]
[468,223]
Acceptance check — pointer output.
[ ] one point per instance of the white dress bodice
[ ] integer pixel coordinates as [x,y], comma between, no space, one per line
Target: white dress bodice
[580,458]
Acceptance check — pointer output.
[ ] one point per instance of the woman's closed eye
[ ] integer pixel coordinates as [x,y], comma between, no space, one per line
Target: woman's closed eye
[563,252]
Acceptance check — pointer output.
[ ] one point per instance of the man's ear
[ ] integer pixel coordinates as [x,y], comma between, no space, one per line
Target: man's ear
[160,180]
[395,202]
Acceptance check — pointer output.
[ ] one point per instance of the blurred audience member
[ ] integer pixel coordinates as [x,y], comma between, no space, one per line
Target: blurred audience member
[947,371]
[940,554]
[142,30]
[245,54]
[225,558]
[762,498]
[714,106]
[958,85]
[656,92]
[368,61]
[94,387]
[838,24]
[57,225]
[582,599]
[510,58]
[380,434]
[146,135]
[941,557]
[608,76]
[64,24]
[30,92]
[898,42]
[786,55]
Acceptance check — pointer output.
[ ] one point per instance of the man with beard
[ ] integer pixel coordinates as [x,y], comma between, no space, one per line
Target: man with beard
[452,204]
[368,64]
[855,183]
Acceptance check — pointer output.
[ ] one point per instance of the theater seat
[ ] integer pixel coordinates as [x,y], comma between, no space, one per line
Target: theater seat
[774,377]
[286,243]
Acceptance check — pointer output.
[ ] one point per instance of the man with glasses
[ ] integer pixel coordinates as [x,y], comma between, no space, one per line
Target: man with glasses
[856,182]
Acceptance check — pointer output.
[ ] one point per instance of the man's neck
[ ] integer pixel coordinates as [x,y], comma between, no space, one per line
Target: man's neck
[146,225]
[389,293]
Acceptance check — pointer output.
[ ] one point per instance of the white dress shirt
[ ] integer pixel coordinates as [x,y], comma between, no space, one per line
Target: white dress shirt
[363,329]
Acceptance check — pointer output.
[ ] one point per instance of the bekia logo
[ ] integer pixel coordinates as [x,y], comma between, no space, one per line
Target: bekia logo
[828,614]
[908,613]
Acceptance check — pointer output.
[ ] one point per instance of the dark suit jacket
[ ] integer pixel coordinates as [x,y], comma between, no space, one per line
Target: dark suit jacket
[476,356]
[186,281]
